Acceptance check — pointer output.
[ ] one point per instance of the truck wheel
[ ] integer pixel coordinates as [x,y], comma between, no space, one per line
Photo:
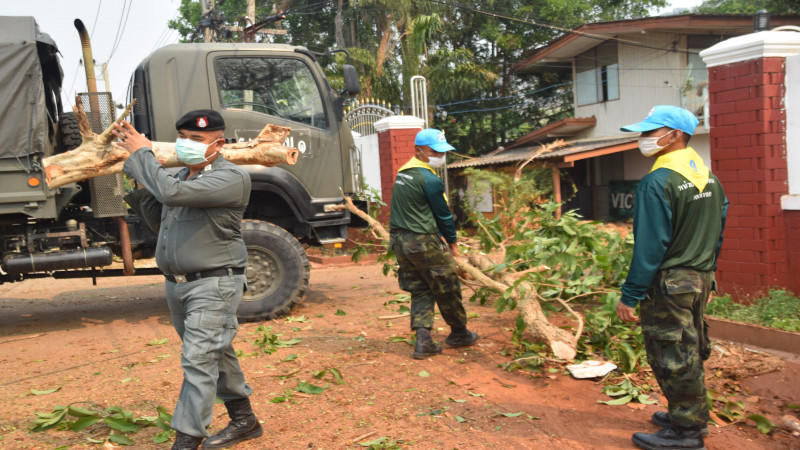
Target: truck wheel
[69,133]
[277,271]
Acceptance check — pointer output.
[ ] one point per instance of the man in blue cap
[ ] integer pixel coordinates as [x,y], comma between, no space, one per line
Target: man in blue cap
[678,219]
[420,218]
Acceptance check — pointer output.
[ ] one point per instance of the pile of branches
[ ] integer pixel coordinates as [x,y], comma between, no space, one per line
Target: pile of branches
[538,256]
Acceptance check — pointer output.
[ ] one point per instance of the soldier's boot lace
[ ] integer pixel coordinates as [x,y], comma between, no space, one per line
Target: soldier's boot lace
[425,346]
[243,425]
[461,338]
[186,442]
[668,438]
[661,419]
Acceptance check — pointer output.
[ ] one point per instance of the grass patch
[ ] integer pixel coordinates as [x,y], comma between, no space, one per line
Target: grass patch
[777,310]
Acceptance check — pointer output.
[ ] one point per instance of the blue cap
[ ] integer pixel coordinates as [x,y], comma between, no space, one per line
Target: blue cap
[433,139]
[666,116]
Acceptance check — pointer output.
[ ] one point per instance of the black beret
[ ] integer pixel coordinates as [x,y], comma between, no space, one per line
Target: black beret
[201,120]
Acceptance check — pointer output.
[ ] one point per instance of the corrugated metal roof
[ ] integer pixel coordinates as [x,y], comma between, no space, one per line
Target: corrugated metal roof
[515,155]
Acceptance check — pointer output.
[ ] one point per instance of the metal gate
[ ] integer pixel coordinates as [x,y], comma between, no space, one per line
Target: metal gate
[362,116]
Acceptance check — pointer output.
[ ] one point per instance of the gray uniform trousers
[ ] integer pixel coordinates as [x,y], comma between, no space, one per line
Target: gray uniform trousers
[204,315]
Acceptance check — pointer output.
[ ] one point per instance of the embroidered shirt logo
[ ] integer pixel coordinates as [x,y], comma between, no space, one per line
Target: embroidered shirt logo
[202,122]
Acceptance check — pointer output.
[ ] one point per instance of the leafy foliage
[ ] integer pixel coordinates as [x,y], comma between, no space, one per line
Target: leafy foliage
[748,6]
[270,342]
[625,392]
[777,310]
[467,52]
[118,422]
[582,258]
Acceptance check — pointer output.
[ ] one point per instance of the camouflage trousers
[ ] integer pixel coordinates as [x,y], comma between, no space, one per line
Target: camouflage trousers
[428,272]
[676,339]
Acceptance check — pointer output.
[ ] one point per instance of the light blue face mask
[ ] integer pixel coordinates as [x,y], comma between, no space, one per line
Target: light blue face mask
[191,152]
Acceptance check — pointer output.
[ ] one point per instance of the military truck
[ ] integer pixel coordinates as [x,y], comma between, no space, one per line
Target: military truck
[81,229]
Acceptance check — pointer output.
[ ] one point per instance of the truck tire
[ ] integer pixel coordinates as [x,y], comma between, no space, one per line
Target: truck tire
[277,271]
[69,133]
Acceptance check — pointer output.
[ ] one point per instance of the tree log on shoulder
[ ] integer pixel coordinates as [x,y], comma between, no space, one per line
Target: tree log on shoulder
[98,155]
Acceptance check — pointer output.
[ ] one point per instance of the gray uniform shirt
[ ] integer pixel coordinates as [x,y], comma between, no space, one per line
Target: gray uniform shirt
[198,220]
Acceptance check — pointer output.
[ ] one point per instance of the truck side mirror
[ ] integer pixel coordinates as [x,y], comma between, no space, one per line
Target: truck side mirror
[351,83]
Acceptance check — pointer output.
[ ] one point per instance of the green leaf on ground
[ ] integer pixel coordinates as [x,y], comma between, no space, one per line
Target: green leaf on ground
[120,424]
[424,374]
[121,439]
[339,312]
[45,392]
[510,414]
[308,388]
[763,424]
[618,401]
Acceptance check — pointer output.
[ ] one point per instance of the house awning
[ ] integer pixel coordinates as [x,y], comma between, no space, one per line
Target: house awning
[560,128]
[561,157]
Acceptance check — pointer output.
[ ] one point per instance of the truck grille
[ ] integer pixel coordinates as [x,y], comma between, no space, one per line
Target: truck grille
[107,191]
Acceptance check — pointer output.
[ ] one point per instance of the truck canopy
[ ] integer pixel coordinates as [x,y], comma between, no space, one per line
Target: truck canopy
[28,86]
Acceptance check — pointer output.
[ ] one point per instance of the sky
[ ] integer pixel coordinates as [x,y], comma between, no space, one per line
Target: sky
[137,26]
[144,31]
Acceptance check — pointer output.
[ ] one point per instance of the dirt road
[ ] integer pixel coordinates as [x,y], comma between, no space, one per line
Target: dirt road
[113,345]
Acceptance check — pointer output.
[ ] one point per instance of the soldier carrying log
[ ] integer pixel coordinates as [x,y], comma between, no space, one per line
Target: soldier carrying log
[197,214]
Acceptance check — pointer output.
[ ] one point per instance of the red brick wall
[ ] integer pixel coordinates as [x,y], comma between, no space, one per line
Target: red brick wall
[395,147]
[748,154]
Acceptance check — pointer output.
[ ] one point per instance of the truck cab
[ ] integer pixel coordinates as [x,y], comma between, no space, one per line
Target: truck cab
[252,85]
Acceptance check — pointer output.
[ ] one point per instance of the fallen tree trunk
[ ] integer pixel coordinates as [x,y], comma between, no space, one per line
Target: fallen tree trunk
[561,343]
[98,155]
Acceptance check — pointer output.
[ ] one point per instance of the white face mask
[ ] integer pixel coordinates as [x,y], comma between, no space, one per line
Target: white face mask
[436,161]
[649,145]
[191,152]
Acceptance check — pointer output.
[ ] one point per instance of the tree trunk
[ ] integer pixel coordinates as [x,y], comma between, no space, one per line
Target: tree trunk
[98,155]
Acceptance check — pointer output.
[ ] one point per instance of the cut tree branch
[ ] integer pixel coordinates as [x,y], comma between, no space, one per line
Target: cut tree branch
[561,343]
[98,155]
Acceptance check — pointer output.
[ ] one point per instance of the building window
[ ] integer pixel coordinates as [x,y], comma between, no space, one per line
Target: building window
[597,75]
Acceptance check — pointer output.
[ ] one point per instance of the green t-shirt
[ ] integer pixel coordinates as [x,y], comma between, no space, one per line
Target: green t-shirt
[419,205]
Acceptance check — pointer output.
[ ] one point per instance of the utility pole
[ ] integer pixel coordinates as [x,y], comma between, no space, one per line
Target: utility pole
[251,17]
[105,77]
[207,6]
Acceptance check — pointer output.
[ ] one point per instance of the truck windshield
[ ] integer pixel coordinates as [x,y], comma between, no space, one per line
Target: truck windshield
[279,87]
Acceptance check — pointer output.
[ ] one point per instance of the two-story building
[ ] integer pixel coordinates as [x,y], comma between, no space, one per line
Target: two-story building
[620,70]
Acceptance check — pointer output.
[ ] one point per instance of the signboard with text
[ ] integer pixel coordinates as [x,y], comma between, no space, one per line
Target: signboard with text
[622,193]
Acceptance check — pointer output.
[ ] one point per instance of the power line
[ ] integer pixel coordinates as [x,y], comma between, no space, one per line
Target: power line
[96,15]
[555,27]
[118,39]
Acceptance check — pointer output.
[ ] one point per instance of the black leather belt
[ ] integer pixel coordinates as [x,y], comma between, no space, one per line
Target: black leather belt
[207,274]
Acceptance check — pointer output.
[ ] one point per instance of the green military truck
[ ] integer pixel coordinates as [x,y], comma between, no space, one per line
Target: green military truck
[79,230]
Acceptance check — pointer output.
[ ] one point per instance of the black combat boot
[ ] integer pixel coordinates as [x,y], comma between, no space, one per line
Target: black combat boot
[461,337]
[669,439]
[243,425]
[425,346]
[186,442]
[661,419]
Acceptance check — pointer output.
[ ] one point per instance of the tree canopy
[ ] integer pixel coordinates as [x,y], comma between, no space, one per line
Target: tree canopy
[466,51]
[748,6]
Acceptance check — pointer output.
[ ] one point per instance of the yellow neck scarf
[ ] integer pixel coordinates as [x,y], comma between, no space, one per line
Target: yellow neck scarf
[687,163]
[416,162]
